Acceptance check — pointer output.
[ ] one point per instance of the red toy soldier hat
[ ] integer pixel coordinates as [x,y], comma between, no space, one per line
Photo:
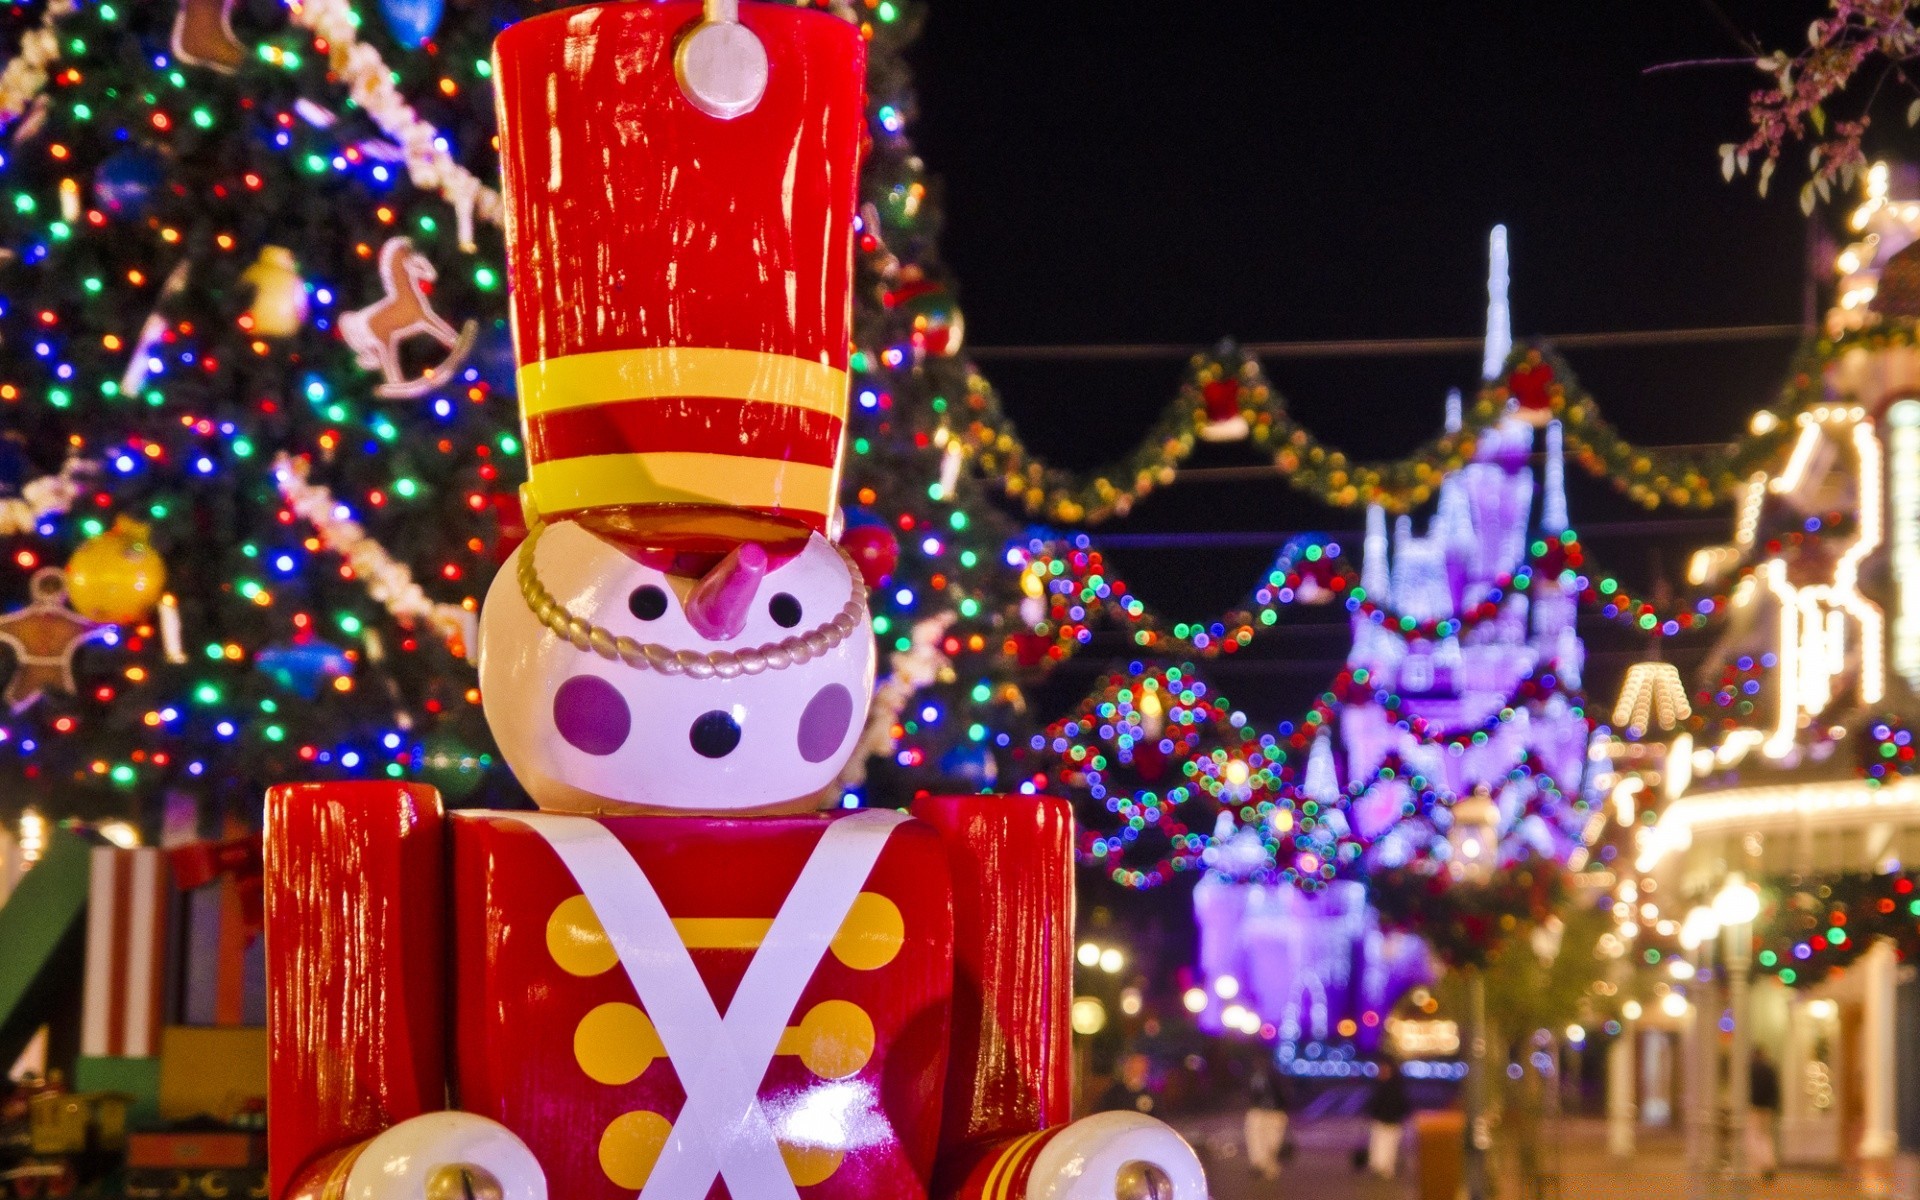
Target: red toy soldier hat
[680,192]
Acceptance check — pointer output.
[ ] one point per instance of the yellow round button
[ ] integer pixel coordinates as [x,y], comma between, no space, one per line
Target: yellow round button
[809,1165]
[615,1043]
[836,1039]
[872,933]
[576,940]
[630,1146]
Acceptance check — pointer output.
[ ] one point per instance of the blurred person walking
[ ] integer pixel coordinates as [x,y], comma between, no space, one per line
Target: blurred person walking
[1388,1109]
[1763,1116]
[1269,1099]
[1132,1088]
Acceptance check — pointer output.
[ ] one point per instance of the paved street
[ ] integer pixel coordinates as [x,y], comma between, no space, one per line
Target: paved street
[1322,1169]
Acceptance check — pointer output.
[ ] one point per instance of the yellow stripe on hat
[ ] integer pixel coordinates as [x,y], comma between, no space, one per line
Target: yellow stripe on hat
[672,477]
[579,380]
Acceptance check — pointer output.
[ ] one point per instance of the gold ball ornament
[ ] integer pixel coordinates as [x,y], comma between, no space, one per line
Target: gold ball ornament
[279,305]
[116,576]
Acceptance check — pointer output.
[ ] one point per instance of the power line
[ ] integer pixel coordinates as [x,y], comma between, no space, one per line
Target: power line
[1260,472]
[1262,539]
[1386,347]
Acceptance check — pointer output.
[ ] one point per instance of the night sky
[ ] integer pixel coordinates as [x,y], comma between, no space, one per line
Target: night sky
[1280,171]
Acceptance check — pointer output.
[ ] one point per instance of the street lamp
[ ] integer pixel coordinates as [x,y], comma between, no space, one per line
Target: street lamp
[1736,905]
[1474,840]
[1701,926]
[1091,1012]
[1698,933]
[1088,1015]
[1474,837]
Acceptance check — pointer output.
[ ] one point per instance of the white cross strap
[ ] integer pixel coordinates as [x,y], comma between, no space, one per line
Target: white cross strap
[721,1130]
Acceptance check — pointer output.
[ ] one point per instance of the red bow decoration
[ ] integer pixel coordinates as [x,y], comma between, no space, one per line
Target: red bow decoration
[198,864]
[1532,384]
[1222,398]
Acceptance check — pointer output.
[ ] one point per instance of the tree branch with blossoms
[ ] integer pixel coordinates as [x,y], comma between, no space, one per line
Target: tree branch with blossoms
[1860,38]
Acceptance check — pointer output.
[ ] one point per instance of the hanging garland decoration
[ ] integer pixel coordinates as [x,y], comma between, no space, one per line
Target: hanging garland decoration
[1826,922]
[1538,385]
[1889,753]
[1155,722]
[911,670]
[1734,692]
[25,75]
[370,86]
[1310,841]
[1080,590]
[1545,800]
[46,496]
[1224,380]
[387,581]
[1463,922]
[1541,385]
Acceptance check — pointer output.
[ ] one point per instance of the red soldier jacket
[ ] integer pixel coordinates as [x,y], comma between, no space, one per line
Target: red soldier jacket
[858,1005]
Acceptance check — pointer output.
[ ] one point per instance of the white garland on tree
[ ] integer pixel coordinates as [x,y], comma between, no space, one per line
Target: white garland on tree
[388,581]
[912,669]
[370,84]
[26,73]
[43,497]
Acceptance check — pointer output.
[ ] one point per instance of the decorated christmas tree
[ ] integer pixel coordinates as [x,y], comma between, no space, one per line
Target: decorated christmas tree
[254,360]
[254,376]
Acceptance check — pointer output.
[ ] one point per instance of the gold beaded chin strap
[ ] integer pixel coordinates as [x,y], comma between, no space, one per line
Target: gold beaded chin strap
[713,664]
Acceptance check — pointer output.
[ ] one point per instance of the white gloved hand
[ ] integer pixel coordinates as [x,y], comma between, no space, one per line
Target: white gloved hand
[1117,1156]
[446,1156]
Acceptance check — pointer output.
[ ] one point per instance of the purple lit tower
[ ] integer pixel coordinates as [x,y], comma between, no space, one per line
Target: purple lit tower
[1497,697]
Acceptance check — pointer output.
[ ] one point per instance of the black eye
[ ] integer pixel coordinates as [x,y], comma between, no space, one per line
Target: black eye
[648,603]
[784,610]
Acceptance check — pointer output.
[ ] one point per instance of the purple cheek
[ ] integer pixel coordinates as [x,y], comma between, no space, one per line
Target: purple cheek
[823,726]
[591,715]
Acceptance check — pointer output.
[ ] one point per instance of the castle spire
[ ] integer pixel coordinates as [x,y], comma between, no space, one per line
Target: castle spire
[1321,785]
[1553,506]
[1499,317]
[1402,560]
[1373,557]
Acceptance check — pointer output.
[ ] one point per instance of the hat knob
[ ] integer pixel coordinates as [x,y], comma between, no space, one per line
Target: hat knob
[721,65]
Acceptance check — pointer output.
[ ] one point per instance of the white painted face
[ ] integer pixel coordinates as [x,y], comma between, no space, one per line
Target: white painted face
[586,734]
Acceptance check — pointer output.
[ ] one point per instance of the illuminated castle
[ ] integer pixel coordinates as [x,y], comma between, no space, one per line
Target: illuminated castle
[1458,684]
[1486,676]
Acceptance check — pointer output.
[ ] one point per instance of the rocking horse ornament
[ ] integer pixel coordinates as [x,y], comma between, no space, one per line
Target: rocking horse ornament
[689,975]
[203,36]
[377,331]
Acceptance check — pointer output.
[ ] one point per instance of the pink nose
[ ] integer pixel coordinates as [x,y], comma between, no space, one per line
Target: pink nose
[718,605]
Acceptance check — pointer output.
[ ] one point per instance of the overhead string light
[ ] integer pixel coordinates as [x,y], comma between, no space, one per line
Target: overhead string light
[1070,590]
[1165,727]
